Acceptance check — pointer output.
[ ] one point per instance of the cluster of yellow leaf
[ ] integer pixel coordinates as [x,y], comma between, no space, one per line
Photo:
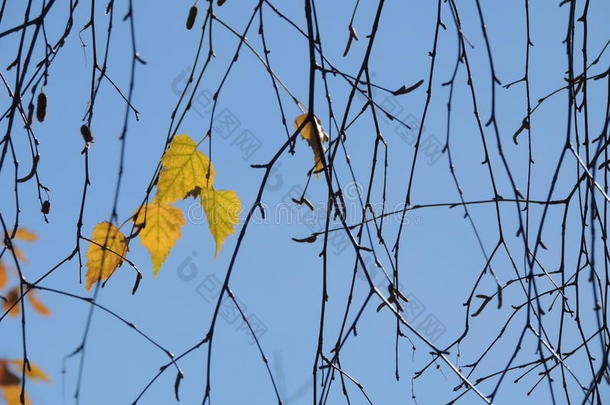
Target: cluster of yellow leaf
[10,383]
[185,171]
[309,134]
[11,297]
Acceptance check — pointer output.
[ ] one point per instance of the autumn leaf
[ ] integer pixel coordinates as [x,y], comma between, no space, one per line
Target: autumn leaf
[25,235]
[106,254]
[12,297]
[222,208]
[41,308]
[10,383]
[12,395]
[309,134]
[3,275]
[162,223]
[184,168]
[34,371]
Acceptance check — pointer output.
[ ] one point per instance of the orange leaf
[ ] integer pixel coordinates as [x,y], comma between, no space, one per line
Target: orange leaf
[34,372]
[12,395]
[41,308]
[25,234]
[19,254]
[3,275]
[11,298]
[13,295]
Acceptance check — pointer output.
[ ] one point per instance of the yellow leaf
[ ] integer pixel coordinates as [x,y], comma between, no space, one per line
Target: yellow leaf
[184,169]
[105,255]
[38,305]
[309,134]
[222,208]
[162,228]
[3,275]
[34,372]
[12,395]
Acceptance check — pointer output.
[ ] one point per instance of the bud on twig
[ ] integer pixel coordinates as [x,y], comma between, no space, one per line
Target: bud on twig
[41,107]
[86,133]
[190,20]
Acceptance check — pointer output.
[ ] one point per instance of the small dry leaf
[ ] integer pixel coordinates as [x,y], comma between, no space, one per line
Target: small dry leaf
[162,223]
[308,133]
[106,254]
[222,209]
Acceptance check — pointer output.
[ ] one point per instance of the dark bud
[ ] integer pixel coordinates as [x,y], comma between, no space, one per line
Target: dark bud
[86,133]
[179,377]
[190,20]
[41,107]
[30,113]
[405,89]
[524,125]
[309,239]
[221,2]
[46,207]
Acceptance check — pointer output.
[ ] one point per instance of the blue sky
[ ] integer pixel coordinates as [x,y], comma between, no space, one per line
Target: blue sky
[277,280]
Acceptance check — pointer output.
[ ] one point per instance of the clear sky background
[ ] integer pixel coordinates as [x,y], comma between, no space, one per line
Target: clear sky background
[277,280]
